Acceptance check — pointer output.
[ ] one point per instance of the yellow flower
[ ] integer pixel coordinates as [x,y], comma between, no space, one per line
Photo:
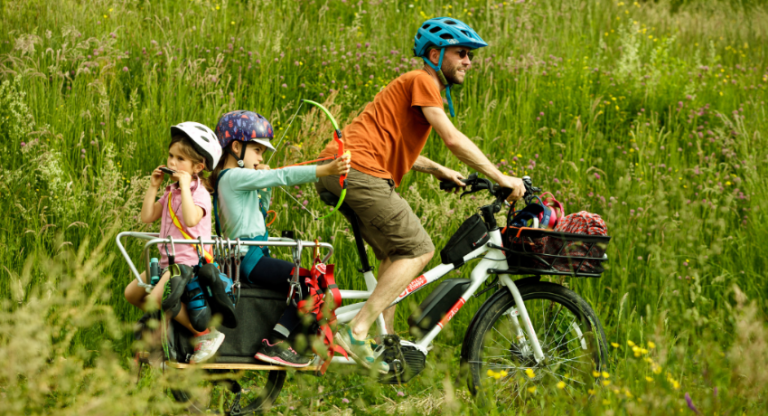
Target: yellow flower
[561,385]
[606,402]
[490,373]
[648,379]
[728,183]
[591,392]
[630,343]
[532,389]
[529,373]
[595,374]
[605,375]
[606,382]
[651,345]
[614,345]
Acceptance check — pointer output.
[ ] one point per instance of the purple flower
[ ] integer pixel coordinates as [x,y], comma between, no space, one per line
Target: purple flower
[322,95]
[23,144]
[113,35]
[345,400]
[125,69]
[82,150]
[370,76]
[597,175]
[689,402]
[541,113]
[400,393]
[284,85]
[302,85]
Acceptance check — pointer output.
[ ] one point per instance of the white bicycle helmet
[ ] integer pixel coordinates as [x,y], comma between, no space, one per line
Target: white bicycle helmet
[203,139]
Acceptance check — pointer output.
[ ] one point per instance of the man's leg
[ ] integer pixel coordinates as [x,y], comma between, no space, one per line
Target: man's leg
[392,282]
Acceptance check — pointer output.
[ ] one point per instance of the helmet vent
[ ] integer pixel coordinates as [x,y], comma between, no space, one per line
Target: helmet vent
[434,29]
[446,36]
[449,22]
[466,33]
[418,36]
[425,27]
[204,131]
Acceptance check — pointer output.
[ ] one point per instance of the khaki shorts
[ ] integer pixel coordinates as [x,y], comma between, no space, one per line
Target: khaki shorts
[387,222]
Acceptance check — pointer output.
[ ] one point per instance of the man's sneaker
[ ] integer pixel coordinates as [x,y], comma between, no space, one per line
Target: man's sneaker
[206,346]
[281,354]
[360,351]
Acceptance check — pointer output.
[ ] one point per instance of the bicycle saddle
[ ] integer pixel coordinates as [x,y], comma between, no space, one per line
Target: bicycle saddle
[332,200]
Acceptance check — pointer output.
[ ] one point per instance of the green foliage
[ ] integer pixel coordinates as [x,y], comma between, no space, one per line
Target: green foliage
[651,114]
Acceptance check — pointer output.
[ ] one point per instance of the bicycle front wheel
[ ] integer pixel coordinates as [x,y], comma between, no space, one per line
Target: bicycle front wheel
[500,358]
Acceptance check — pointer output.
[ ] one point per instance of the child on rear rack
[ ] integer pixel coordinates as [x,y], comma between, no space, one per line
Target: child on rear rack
[243,194]
[193,148]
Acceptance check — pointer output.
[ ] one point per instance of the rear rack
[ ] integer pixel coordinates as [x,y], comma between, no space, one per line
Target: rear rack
[154,239]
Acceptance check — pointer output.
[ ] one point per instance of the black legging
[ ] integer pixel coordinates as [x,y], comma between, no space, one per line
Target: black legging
[276,275]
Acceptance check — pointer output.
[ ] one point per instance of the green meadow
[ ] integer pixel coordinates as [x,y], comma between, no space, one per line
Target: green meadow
[651,114]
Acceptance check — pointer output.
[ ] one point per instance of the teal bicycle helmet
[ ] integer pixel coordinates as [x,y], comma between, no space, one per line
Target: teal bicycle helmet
[442,32]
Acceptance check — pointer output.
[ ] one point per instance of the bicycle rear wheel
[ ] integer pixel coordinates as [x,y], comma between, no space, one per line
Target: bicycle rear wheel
[502,365]
[255,391]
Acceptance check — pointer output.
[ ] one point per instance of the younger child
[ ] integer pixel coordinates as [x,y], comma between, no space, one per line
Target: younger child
[194,148]
[243,187]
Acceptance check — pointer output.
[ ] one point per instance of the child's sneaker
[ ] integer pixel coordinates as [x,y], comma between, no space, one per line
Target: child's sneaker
[206,345]
[360,351]
[281,354]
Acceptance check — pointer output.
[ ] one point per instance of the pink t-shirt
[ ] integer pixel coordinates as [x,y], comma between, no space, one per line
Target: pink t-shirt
[185,253]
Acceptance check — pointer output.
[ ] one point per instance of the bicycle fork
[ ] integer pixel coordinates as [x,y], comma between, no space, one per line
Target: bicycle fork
[532,341]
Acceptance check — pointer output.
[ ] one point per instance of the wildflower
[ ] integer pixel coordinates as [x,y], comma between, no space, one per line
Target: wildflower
[595,374]
[690,404]
[529,372]
[561,385]
[605,375]
[23,144]
[591,392]
[614,344]
[400,393]
[630,343]
[532,389]
[284,85]
[345,400]
[648,379]
[597,175]
[606,382]
[125,69]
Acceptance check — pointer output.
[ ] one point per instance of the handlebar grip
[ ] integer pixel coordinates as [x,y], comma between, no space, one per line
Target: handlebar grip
[503,193]
[447,185]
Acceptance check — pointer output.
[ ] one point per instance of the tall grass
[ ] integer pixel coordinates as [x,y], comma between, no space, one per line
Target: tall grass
[651,114]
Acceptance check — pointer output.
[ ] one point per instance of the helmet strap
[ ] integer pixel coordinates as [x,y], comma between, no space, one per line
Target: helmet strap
[441,77]
[239,159]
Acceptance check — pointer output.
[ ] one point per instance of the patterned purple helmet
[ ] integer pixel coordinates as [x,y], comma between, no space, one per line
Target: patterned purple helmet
[244,126]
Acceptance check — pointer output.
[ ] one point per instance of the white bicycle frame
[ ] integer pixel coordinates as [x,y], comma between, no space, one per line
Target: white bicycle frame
[491,258]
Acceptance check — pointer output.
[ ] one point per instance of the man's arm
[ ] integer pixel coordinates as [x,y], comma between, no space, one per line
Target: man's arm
[468,152]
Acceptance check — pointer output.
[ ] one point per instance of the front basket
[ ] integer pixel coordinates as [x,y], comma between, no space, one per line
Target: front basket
[546,252]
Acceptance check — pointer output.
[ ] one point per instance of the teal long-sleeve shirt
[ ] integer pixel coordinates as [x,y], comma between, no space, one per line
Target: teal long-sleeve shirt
[240,191]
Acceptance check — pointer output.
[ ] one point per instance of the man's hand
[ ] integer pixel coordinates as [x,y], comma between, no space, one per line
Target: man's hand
[450,175]
[517,186]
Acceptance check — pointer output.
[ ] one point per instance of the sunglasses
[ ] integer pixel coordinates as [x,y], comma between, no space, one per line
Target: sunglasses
[464,53]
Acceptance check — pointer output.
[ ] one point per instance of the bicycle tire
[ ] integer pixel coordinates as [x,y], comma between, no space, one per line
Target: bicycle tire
[590,337]
[261,398]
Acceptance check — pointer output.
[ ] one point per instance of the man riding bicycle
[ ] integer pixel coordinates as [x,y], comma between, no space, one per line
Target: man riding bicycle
[386,140]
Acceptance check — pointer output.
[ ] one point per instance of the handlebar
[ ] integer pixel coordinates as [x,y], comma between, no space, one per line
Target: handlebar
[476,184]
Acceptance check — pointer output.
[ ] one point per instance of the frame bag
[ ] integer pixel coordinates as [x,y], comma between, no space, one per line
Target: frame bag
[472,234]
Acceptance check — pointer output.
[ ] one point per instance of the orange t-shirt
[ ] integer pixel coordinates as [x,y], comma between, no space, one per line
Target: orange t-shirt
[387,137]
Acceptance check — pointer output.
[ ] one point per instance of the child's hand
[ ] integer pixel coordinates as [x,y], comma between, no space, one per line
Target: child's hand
[184,179]
[340,166]
[262,166]
[156,179]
